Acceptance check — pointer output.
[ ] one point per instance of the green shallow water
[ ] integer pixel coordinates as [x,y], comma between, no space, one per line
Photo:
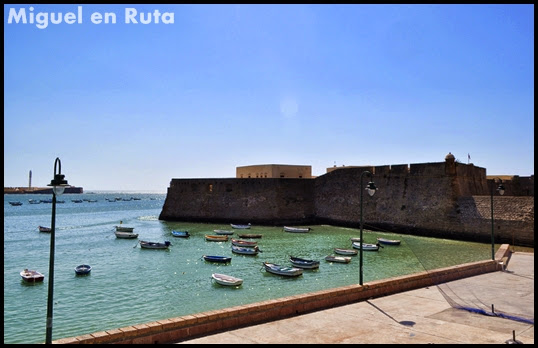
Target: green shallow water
[129,285]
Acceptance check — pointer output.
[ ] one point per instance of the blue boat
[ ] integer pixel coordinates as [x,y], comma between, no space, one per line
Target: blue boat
[181,234]
[220,259]
[83,269]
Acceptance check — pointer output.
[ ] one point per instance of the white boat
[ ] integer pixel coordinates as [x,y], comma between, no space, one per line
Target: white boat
[355,239]
[124,229]
[31,276]
[223,232]
[282,270]
[226,280]
[388,241]
[339,259]
[154,245]
[365,246]
[240,227]
[244,243]
[125,235]
[297,229]
[348,252]
[245,250]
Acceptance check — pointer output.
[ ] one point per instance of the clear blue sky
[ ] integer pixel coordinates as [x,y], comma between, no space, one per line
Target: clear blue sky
[130,106]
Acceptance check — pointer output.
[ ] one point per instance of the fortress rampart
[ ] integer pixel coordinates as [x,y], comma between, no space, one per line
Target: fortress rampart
[441,199]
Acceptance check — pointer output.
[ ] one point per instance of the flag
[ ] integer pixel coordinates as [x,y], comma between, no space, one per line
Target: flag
[468,158]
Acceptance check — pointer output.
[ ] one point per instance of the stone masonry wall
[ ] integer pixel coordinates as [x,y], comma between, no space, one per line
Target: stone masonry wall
[262,201]
[442,199]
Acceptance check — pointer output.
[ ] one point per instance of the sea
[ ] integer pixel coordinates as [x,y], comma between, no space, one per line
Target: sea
[129,285]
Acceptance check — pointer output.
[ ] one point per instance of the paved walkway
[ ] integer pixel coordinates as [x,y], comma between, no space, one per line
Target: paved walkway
[414,317]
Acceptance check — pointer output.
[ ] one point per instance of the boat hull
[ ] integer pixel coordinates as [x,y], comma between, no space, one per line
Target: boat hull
[244,243]
[283,271]
[83,269]
[226,280]
[219,259]
[154,245]
[124,229]
[253,236]
[240,227]
[181,234]
[31,276]
[216,238]
[365,246]
[303,263]
[296,229]
[348,252]
[245,250]
[388,241]
[125,235]
[338,259]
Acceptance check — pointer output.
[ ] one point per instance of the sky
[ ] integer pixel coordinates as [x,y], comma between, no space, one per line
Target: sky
[202,89]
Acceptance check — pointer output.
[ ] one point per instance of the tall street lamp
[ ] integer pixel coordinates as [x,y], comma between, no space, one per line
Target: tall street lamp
[58,186]
[500,188]
[371,190]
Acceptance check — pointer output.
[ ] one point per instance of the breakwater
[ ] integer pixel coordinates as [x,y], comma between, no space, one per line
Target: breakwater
[39,190]
[442,199]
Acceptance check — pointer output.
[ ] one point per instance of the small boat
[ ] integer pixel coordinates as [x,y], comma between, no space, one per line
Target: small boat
[339,259]
[125,235]
[46,200]
[154,245]
[254,236]
[15,203]
[388,241]
[211,238]
[220,259]
[226,280]
[124,229]
[245,250]
[282,270]
[34,201]
[345,251]
[240,227]
[303,263]
[221,232]
[181,234]
[44,229]
[355,239]
[31,276]
[296,229]
[365,246]
[83,269]
[76,200]
[244,243]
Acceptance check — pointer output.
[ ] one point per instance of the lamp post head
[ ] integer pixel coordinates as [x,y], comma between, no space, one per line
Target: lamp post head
[501,188]
[58,183]
[371,188]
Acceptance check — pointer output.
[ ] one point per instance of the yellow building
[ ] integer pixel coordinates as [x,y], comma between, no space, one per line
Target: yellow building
[274,171]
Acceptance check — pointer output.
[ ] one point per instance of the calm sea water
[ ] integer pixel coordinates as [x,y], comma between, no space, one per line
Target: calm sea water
[129,285]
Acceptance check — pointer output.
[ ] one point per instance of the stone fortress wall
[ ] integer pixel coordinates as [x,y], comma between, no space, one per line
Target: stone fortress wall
[441,199]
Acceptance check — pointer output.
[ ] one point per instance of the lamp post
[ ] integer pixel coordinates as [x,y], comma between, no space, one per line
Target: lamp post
[58,186]
[501,192]
[371,190]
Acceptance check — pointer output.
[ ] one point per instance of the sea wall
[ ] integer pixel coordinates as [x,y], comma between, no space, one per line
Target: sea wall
[268,201]
[440,199]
